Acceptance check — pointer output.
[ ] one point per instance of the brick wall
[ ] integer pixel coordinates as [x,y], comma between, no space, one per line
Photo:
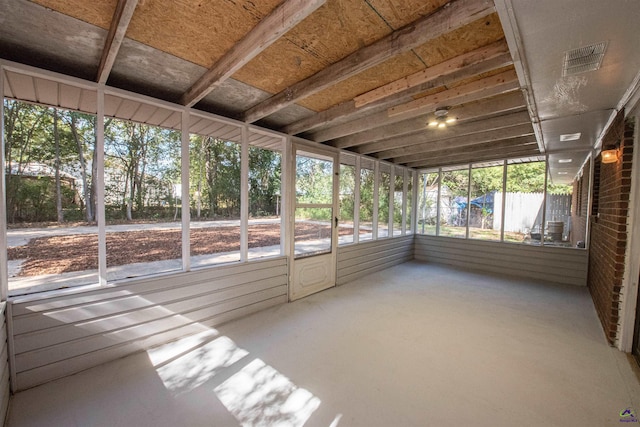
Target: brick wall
[612,185]
[580,206]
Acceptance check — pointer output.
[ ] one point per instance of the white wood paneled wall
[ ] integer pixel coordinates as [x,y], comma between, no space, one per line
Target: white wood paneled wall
[59,336]
[355,261]
[5,391]
[554,264]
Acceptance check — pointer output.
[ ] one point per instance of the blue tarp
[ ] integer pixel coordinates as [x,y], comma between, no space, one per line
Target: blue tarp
[484,201]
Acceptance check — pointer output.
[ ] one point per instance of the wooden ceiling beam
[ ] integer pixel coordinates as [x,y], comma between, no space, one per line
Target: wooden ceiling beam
[444,68]
[455,96]
[427,135]
[406,154]
[450,17]
[283,18]
[348,110]
[501,104]
[424,104]
[530,150]
[500,144]
[115,36]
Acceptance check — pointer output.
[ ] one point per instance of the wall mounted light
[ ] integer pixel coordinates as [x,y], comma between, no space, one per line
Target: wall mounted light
[441,120]
[610,155]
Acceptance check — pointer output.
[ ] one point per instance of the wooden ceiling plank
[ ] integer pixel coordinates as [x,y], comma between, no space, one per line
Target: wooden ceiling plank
[477,158]
[424,104]
[432,135]
[454,15]
[500,144]
[346,110]
[408,154]
[449,97]
[115,36]
[444,68]
[492,106]
[271,28]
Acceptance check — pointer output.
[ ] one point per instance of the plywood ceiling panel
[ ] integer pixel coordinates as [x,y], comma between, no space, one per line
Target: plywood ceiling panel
[196,30]
[391,70]
[332,32]
[477,34]
[98,12]
[398,13]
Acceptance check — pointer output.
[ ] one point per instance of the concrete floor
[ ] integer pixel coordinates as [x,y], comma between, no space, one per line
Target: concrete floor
[415,345]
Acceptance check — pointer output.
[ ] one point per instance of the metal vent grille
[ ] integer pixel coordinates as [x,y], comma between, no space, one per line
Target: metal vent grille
[583,59]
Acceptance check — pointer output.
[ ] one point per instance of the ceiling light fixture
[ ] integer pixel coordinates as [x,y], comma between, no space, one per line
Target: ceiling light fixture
[441,120]
[565,160]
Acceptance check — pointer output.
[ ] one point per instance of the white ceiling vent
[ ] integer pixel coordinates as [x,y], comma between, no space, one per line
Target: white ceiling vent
[583,59]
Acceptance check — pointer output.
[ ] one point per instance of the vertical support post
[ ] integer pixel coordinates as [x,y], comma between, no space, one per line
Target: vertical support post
[504,199]
[414,206]
[286,197]
[544,200]
[405,189]
[438,210]
[184,183]
[4,267]
[100,214]
[356,202]
[244,195]
[376,199]
[468,200]
[590,189]
[392,192]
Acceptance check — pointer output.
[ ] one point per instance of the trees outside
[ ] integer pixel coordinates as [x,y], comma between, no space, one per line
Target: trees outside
[45,150]
[51,170]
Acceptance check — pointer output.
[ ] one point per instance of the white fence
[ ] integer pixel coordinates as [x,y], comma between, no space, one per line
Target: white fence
[523,211]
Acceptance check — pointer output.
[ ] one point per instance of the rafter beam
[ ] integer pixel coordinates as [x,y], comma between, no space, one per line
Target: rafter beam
[452,16]
[115,36]
[529,150]
[499,144]
[271,28]
[406,154]
[455,96]
[501,104]
[427,135]
[444,68]
[424,105]
[348,110]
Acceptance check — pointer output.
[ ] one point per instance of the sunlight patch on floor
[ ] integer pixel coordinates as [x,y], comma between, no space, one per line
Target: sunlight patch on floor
[258,395]
[187,364]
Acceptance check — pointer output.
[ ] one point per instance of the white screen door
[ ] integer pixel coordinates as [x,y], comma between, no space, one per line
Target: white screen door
[315,222]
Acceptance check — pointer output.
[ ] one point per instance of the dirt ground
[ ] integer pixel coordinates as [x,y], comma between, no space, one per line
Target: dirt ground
[61,254]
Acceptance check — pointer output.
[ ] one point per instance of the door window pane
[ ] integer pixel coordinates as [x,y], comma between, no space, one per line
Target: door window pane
[314,180]
[313,231]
